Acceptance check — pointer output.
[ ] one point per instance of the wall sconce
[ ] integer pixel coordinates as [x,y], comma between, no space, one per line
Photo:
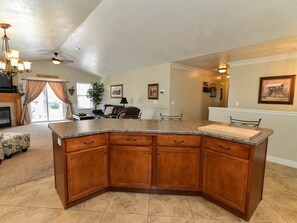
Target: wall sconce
[71,90]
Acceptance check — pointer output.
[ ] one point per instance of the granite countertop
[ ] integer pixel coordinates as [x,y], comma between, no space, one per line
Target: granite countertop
[66,130]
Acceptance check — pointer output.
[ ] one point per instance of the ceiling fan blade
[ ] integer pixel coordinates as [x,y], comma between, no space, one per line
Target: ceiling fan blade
[67,61]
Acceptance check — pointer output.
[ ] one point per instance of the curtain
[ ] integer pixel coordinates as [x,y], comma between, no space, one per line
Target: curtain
[59,88]
[33,90]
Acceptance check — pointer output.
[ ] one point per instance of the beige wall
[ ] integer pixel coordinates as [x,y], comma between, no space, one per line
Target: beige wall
[186,92]
[245,80]
[64,72]
[282,145]
[135,84]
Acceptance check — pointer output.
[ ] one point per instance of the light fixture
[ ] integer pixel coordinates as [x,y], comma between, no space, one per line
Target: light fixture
[124,101]
[222,70]
[11,65]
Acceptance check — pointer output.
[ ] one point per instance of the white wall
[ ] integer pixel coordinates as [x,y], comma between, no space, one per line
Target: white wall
[187,95]
[135,89]
[282,145]
[64,72]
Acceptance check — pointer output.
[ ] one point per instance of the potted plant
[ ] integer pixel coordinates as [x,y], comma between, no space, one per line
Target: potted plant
[95,93]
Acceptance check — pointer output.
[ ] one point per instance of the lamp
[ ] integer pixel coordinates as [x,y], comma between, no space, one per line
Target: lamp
[222,70]
[11,65]
[71,90]
[124,101]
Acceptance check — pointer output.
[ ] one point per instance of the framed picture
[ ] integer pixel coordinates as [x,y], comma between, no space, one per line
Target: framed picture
[277,89]
[213,92]
[153,91]
[206,87]
[116,91]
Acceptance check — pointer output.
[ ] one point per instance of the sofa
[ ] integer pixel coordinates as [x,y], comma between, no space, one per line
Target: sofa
[108,111]
[12,142]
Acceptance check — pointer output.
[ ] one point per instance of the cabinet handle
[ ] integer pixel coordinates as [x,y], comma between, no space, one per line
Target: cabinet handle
[105,151]
[149,153]
[225,148]
[178,141]
[158,153]
[131,139]
[205,155]
[88,143]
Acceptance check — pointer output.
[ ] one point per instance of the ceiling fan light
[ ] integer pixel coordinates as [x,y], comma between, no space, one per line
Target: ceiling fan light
[222,70]
[57,62]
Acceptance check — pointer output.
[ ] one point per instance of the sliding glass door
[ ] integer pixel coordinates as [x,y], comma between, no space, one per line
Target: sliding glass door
[47,107]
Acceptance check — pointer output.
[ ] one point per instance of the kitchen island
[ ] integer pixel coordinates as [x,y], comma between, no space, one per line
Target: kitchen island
[154,156]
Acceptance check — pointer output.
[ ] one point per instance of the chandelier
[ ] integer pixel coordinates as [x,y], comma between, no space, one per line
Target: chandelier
[11,65]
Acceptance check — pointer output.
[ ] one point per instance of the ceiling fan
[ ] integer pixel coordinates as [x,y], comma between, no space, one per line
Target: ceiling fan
[57,60]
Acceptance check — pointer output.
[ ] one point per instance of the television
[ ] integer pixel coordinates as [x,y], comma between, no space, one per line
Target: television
[6,84]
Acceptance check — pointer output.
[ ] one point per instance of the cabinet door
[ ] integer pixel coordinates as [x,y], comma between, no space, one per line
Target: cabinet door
[178,168]
[130,166]
[87,172]
[225,178]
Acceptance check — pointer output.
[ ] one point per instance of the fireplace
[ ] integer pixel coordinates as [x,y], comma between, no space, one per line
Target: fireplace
[5,118]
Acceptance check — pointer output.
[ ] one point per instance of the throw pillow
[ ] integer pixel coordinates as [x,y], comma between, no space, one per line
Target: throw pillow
[108,110]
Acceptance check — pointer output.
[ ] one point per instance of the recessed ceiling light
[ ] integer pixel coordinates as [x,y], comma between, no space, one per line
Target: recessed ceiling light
[77,48]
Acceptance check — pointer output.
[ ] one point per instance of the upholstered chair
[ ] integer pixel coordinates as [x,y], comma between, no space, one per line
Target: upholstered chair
[129,113]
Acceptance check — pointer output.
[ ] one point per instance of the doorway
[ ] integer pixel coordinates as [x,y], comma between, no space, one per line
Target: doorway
[47,107]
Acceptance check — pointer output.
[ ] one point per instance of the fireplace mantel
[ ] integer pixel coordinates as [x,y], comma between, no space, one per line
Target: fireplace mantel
[14,98]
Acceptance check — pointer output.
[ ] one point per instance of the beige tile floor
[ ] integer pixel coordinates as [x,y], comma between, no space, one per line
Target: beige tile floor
[38,202]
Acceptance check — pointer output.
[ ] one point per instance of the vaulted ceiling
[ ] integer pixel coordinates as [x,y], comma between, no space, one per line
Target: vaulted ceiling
[107,36]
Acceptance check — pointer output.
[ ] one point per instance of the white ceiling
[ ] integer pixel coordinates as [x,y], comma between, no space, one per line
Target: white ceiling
[118,35]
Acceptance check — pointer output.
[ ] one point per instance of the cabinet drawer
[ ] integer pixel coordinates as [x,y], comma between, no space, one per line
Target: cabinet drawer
[130,139]
[179,140]
[85,142]
[227,147]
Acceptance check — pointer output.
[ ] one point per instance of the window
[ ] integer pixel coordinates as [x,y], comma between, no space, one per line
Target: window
[82,100]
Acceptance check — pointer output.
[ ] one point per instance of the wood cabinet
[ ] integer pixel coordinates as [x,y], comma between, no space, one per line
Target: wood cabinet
[80,167]
[86,171]
[228,173]
[130,160]
[178,159]
[233,173]
[225,178]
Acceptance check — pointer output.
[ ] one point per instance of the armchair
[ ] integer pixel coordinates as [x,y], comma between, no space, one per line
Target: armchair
[129,113]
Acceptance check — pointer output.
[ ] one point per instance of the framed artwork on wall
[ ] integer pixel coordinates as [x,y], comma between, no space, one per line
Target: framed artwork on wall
[116,91]
[277,89]
[153,91]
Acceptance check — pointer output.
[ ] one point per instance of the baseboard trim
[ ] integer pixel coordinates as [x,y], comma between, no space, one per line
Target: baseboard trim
[282,161]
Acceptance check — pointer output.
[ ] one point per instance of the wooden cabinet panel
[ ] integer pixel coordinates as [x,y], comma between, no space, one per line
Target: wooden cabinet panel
[130,166]
[179,140]
[85,142]
[178,168]
[130,139]
[225,178]
[87,172]
[227,147]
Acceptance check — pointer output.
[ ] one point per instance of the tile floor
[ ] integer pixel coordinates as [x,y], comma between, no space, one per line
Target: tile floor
[38,202]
